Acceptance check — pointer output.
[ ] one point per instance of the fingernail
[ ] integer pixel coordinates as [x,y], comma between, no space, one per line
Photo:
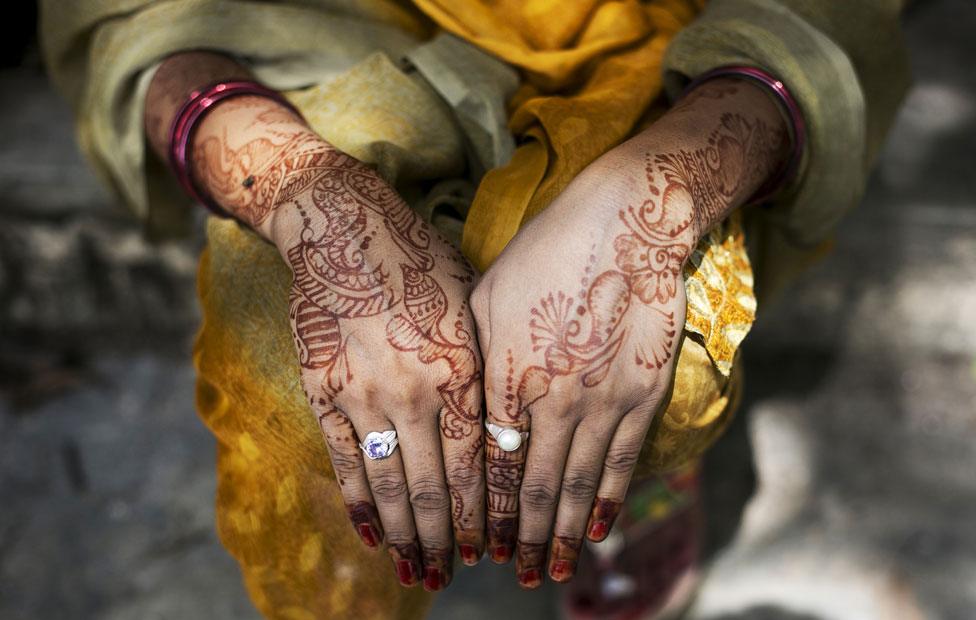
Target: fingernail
[531,578]
[368,534]
[433,579]
[469,555]
[406,573]
[367,523]
[562,570]
[602,516]
[598,531]
[501,554]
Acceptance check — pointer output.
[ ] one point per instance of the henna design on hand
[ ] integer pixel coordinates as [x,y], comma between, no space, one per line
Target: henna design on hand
[582,334]
[337,280]
[625,302]
[250,178]
[735,156]
[365,267]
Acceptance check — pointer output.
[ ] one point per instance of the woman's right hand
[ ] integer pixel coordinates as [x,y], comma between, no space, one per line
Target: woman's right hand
[382,326]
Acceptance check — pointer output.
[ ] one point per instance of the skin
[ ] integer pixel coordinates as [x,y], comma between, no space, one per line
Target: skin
[578,320]
[379,313]
[581,316]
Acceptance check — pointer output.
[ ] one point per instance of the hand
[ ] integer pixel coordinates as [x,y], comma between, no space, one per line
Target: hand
[581,317]
[380,319]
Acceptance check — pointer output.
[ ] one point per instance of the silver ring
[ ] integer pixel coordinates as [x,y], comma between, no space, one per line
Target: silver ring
[508,438]
[379,445]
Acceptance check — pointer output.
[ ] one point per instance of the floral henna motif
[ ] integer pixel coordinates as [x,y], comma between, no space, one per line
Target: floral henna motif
[582,334]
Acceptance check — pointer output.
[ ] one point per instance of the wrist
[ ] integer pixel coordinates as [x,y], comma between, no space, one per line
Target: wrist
[711,153]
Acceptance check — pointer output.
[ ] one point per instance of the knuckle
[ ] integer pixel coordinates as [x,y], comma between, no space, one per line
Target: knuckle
[579,486]
[622,459]
[388,487]
[346,462]
[479,300]
[397,536]
[429,497]
[538,495]
[465,480]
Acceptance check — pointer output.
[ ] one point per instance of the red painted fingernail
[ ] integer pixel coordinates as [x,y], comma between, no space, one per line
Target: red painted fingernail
[531,578]
[469,554]
[562,570]
[433,579]
[368,534]
[598,531]
[406,573]
[501,554]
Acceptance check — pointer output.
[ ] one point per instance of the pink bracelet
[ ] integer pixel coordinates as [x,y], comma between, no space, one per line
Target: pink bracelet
[188,118]
[798,128]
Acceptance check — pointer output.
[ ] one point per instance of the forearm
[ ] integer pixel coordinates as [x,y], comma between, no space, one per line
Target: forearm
[242,150]
[176,78]
[733,138]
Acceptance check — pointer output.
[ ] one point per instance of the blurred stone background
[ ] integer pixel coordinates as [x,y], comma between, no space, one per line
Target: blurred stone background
[859,416]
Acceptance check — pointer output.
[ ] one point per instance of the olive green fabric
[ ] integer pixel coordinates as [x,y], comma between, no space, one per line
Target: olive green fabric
[844,60]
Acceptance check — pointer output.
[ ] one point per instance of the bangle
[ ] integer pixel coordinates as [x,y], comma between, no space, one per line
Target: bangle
[797,127]
[188,118]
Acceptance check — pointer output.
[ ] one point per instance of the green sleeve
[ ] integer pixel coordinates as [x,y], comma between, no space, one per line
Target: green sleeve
[845,63]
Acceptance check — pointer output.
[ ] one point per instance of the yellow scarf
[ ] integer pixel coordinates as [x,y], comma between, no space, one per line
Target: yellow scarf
[591,68]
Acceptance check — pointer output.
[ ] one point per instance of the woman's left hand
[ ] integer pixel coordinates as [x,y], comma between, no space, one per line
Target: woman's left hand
[581,317]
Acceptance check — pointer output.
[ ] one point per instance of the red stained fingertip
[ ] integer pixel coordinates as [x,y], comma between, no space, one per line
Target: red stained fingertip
[469,555]
[530,579]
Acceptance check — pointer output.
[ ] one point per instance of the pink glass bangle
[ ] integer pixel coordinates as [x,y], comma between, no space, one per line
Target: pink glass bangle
[189,116]
[797,126]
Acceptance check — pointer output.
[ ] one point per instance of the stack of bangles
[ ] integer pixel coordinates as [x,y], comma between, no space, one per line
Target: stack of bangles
[796,125]
[189,117]
[201,101]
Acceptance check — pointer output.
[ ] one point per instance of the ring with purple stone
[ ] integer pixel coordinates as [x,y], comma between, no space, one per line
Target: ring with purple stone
[379,445]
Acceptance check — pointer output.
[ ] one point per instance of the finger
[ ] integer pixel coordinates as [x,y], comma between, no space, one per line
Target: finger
[388,485]
[347,462]
[503,474]
[428,498]
[539,495]
[580,479]
[618,467]
[462,441]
